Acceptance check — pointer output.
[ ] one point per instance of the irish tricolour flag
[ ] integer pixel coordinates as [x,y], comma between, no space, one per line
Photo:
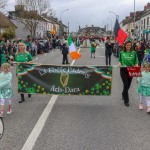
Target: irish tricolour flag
[72,50]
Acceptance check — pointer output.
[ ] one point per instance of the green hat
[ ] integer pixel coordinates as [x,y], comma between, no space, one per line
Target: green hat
[129,39]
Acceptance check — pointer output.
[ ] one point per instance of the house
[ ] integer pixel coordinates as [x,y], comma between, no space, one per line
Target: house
[138,26]
[91,31]
[5,23]
[144,27]
[28,22]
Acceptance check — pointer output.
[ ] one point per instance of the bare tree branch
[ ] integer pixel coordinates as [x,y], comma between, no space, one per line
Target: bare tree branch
[41,6]
[32,13]
[3,4]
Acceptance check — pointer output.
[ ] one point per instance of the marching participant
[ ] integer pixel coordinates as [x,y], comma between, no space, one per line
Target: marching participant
[144,87]
[93,48]
[6,91]
[23,56]
[127,57]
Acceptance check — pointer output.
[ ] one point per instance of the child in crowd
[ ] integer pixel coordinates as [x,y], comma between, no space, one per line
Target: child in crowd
[144,87]
[147,55]
[6,91]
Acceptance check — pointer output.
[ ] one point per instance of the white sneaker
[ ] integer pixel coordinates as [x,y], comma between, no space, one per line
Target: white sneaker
[141,106]
[148,110]
[9,111]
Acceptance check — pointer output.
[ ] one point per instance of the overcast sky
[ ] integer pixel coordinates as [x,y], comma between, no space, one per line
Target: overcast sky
[91,12]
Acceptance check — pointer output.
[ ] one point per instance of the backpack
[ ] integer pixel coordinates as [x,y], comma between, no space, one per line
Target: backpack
[148,58]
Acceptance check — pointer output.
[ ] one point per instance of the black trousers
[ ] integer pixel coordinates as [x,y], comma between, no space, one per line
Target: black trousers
[22,96]
[65,59]
[126,83]
[108,59]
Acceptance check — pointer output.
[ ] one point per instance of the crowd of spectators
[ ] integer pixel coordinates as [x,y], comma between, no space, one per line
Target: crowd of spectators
[33,46]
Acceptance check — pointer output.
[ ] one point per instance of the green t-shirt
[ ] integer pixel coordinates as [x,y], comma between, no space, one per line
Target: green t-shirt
[23,57]
[92,48]
[128,58]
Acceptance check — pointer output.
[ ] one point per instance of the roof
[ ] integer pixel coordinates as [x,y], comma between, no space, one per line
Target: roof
[23,14]
[137,17]
[127,20]
[30,15]
[6,22]
[89,29]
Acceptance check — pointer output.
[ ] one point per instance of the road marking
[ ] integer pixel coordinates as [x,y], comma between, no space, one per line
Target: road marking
[30,142]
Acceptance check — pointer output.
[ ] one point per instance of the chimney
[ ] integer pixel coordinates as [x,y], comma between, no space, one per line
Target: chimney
[92,25]
[19,7]
[86,26]
[105,28]
[79,27]
[137,13]
[148,5]
[145,7]
[56,19]
[131,14]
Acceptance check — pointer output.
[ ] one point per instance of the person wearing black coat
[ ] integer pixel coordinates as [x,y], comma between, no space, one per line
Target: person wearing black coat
[65,51]
[108,51]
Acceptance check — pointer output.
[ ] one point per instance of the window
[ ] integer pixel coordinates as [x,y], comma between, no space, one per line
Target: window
[148,22]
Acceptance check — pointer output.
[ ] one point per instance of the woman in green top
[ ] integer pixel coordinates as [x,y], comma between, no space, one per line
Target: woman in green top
[23,56]
[127,57]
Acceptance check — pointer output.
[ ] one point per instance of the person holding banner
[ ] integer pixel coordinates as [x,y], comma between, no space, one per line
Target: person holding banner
[127,58]
[144,87]
[22,56]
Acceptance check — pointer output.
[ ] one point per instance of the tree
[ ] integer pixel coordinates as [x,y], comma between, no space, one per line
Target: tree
[41,6]
[30,14]
[3,4]
[9,33]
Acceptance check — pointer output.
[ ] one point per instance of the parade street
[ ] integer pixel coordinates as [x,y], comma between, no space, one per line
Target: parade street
[68,122]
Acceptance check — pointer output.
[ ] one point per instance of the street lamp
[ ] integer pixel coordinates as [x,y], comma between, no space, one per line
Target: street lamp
[111,23]
[63,12]
[61,21]
[117,16]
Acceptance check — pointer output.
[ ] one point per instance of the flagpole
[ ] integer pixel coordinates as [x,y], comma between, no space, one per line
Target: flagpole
[134,19]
